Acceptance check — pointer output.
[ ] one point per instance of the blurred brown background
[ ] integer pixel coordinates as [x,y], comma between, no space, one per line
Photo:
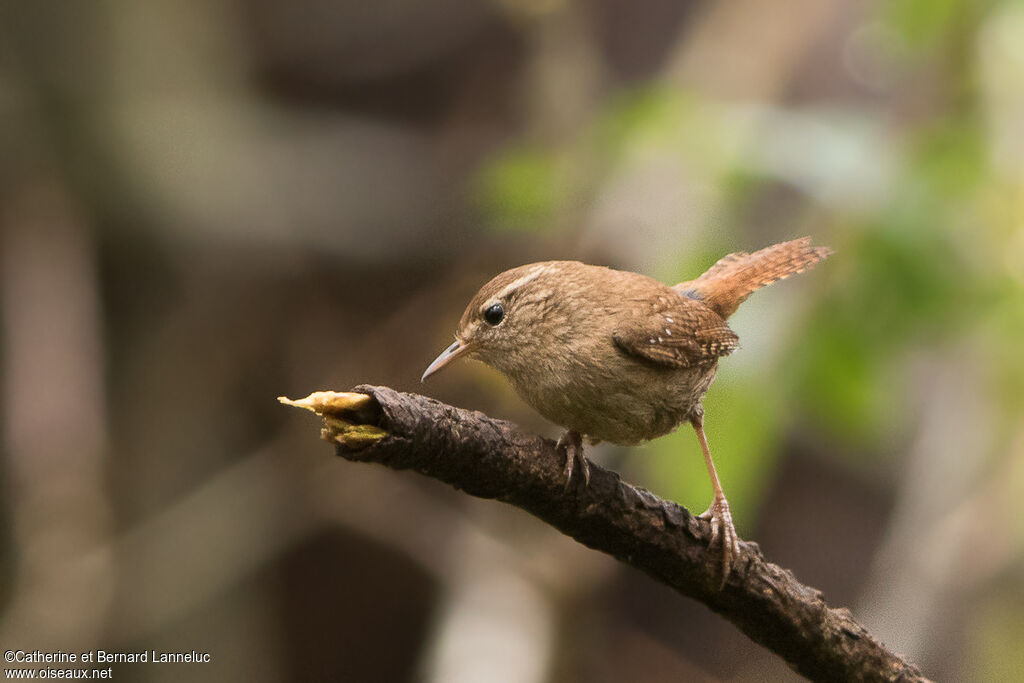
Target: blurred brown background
[204,205]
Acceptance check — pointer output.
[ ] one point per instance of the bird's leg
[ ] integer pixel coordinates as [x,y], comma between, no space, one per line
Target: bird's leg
[718,514]
[572,443]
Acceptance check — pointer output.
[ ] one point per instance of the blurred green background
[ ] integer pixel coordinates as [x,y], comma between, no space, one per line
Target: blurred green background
[204,205]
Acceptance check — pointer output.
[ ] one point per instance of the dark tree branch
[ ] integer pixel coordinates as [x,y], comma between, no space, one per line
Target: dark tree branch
[493,459]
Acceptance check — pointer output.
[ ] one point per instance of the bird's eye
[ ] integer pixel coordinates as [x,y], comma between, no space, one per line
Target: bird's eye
[494,314]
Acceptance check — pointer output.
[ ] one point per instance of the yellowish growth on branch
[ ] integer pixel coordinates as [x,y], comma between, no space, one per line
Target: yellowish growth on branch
[329,402]
[338,409]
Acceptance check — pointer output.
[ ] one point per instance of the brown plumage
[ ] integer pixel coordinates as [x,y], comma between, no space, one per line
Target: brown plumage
[617,356]
[728,283]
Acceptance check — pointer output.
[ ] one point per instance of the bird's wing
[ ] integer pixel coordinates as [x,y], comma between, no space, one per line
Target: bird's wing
[676,331]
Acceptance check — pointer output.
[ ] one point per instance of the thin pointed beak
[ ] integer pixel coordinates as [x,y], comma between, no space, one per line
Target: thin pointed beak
[447,356]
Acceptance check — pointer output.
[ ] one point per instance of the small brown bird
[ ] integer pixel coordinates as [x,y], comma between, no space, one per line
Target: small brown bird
[616,356]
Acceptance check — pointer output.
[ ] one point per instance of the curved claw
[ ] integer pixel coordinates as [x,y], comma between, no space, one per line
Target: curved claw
[572,443]
[723,530]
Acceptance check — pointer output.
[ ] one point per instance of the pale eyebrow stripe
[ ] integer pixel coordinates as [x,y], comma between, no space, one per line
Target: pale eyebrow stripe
[533,274]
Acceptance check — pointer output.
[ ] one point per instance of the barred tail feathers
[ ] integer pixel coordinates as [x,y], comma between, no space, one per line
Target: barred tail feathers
[728,283]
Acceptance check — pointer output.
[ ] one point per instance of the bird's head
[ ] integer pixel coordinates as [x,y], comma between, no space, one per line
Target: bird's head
[508,318]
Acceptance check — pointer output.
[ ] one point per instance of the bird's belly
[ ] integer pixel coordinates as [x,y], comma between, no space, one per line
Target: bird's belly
[624,408]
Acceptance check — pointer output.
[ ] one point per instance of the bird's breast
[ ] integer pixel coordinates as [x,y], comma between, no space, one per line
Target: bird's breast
[624,402]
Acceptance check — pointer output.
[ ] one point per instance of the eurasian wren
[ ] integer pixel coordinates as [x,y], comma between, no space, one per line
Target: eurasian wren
[616,356]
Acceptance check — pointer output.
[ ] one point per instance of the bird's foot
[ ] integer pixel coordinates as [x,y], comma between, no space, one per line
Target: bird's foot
[722,530]
[572,443]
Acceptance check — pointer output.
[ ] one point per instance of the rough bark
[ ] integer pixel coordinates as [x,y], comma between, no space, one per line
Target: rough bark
[492,458]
